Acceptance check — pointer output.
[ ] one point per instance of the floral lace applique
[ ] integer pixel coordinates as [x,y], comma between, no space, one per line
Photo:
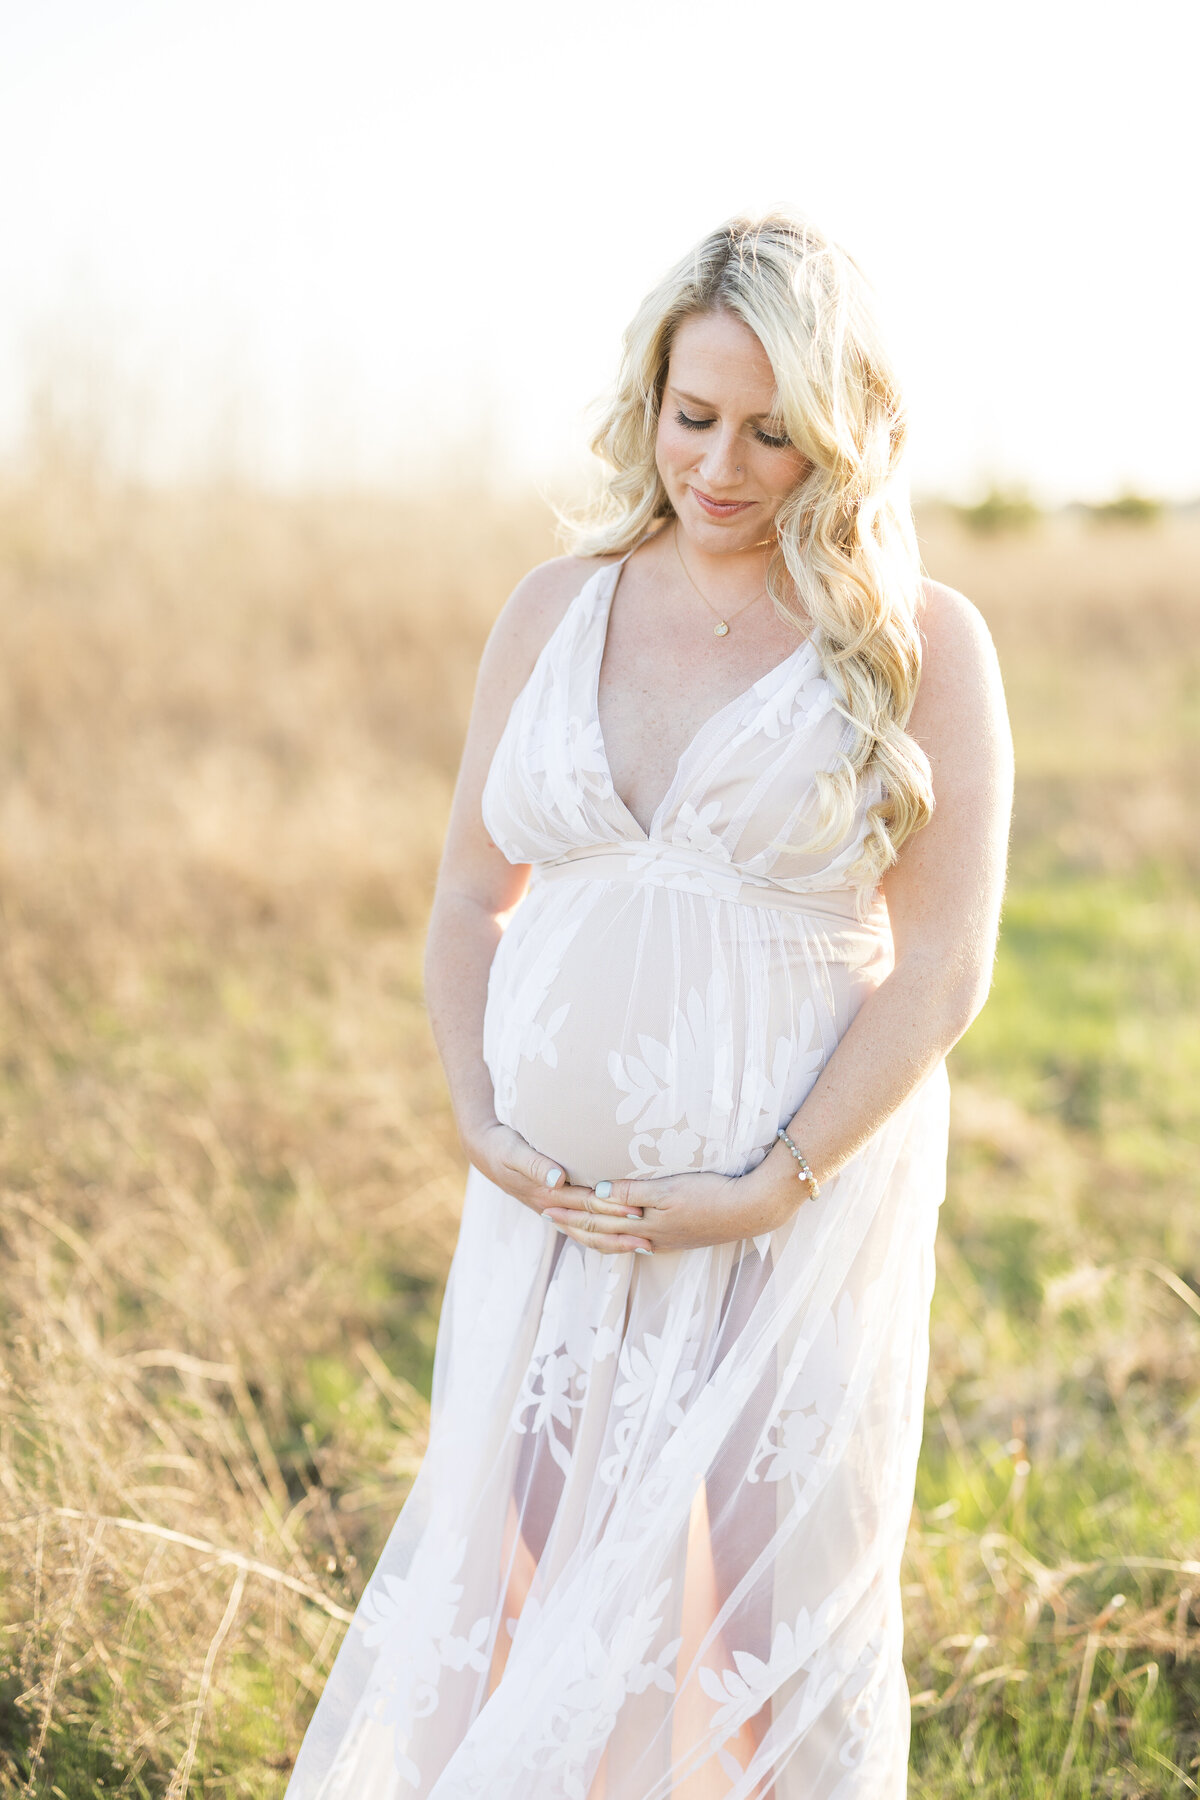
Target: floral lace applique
[675,1151]
[690,1077]
[805,1649]
[641,1371]
[864,1685]
[571,1340]
[596,1675]
[792,1439]
[694,827]
[410,1623]
[810,702]
[520,1034]
[744,1690]
[582,748]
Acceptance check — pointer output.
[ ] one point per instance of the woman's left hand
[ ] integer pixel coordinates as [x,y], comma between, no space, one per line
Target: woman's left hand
[684,1212]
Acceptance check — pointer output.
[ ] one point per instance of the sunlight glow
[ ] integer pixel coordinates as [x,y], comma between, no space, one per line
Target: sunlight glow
[373,240]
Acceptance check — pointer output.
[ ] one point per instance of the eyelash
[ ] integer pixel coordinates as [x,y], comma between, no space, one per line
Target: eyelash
[772,443]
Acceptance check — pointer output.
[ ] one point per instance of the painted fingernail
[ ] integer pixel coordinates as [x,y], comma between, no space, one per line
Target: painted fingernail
[633,1215]
[638,1251]
[603,1190]
[553,1177]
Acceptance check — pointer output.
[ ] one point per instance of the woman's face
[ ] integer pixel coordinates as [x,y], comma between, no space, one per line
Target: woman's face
[721,449]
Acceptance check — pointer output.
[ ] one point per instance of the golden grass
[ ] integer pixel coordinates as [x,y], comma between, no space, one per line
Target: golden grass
[229,730]
[1098,631]
[229,1179]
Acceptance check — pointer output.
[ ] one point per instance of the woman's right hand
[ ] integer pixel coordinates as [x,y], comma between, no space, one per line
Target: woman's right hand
[537,1181]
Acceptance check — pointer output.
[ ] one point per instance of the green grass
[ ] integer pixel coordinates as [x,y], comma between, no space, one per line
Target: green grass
[1064,1423]
[1095,1012]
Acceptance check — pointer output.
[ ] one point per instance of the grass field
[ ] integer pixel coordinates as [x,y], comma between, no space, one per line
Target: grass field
[228,1176]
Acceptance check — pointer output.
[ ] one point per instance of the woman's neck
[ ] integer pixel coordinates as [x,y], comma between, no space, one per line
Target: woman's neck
[729,574]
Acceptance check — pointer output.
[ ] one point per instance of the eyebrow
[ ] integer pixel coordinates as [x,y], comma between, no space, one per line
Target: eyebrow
[707,405]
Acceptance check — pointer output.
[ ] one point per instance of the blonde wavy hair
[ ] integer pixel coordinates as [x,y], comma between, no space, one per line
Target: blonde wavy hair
[846,565]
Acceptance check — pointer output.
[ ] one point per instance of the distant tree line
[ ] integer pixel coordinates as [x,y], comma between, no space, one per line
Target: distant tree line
[1014,509]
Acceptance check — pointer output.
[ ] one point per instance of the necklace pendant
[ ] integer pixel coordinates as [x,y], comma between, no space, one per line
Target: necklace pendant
[721,630]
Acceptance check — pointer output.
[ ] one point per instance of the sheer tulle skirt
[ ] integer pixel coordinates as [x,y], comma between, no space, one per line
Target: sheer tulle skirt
[654,1548]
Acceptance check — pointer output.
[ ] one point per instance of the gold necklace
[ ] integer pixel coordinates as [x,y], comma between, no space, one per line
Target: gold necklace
[721,628]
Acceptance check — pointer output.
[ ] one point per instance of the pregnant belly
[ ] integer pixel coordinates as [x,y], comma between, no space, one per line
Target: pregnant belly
[644,1031]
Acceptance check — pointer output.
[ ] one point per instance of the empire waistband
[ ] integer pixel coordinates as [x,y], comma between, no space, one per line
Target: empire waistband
[698,872]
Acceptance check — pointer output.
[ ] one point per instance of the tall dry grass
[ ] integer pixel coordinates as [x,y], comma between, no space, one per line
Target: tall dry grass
[1098,632]
[228,1176]
[229,727]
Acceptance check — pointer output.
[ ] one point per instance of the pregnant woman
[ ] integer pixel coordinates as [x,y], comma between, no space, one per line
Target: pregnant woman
[721,888]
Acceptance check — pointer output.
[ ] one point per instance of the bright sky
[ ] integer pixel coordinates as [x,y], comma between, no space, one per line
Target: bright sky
[341,238]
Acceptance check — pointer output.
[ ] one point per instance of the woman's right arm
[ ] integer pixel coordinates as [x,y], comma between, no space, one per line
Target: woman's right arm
[477,886]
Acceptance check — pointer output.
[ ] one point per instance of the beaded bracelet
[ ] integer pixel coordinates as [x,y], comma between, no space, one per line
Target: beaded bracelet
[803,1173]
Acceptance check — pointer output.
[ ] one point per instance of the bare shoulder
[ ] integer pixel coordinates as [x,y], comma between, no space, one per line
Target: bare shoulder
[950,624]
[535,608]
[958,658]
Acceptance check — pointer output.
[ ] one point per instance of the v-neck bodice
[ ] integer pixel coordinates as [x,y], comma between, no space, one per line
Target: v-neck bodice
[743,792]
[749,696]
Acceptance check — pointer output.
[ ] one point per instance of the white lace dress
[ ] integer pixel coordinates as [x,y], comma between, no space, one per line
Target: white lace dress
[654,1547]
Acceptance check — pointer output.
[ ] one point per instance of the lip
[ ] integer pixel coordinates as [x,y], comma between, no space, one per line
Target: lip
[720,509]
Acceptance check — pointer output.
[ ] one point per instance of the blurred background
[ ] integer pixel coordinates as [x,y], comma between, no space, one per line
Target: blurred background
[302,313]
[376,242]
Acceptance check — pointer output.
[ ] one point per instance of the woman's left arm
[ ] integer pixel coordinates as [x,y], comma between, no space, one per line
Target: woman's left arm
[943,896]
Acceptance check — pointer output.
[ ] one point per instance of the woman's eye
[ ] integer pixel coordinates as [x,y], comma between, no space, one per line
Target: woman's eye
[764,437]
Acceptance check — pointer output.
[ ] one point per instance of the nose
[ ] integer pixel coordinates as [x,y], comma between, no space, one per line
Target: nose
[719,462]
